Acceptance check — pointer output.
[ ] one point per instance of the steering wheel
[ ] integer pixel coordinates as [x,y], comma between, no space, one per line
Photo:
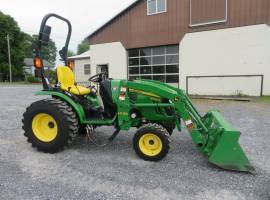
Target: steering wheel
[98,78]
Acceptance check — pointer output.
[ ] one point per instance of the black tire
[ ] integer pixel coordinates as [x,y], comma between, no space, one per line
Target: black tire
[169,129]
[158,131]
[65,118]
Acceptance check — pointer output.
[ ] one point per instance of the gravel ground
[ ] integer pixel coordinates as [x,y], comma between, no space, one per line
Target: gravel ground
[114,172]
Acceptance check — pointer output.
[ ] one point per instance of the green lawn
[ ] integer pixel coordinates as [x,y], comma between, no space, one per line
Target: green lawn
[266,98]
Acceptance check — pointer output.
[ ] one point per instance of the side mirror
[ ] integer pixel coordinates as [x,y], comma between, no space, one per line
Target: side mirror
[45,35]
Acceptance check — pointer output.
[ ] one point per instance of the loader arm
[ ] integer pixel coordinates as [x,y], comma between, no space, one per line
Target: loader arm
[212,134]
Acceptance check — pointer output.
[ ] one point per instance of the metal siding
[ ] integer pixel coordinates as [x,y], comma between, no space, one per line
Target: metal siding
[268,13]
[134,28]
[207,11]
[240,13]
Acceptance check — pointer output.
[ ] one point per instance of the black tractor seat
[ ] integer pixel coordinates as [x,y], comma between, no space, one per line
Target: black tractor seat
[106,96]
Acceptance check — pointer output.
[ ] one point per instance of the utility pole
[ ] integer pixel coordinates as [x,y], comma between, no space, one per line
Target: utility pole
[9,60]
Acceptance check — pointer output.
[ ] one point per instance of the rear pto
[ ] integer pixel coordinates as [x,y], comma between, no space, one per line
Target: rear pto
[153,107]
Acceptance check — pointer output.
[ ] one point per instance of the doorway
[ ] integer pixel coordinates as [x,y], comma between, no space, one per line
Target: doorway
[103,68]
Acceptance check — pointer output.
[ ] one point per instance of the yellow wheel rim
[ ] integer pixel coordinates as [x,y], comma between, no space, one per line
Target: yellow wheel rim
[150,144]
[44,127]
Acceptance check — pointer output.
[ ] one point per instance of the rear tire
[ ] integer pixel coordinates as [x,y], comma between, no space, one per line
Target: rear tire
[151,142]
[49,125]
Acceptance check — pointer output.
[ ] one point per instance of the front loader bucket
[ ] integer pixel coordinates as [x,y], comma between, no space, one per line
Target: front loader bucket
[222,146]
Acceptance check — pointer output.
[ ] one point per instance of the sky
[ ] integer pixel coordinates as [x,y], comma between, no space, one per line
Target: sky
[85,16]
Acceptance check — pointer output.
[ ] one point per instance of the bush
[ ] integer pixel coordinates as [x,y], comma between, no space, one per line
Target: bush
[32,79]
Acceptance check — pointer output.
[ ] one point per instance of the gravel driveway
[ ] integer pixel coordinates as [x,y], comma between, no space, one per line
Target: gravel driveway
[114,172]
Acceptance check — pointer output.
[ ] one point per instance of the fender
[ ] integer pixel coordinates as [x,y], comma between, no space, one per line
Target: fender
[76,107]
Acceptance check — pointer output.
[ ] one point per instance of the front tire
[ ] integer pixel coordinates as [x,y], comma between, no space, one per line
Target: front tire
[151,142]
[50,125]
[170,129]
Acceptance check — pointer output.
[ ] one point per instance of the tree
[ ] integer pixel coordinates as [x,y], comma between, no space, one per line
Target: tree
[83,47]
[28,46]
[47,52]
[70,53]
[8,26]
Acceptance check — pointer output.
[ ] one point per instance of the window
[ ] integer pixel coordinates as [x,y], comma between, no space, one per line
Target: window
[87,70]
[156,6]
[206,12]
[133,53]
[157,63]
[133,61]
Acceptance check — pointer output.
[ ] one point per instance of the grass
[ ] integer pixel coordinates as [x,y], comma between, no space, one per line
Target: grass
[266,98]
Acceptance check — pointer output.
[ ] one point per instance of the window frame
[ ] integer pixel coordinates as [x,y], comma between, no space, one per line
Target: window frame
[155,13]
[87,69]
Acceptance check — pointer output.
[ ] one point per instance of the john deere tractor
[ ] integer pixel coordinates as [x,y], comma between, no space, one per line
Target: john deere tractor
[153,107]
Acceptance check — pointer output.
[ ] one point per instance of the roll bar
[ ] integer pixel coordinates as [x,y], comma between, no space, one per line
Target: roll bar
[44,32]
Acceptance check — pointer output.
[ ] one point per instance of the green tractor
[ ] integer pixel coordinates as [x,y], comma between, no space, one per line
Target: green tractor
[153,107]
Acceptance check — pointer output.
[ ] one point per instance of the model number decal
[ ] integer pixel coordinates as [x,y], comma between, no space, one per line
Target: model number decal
[123,113]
